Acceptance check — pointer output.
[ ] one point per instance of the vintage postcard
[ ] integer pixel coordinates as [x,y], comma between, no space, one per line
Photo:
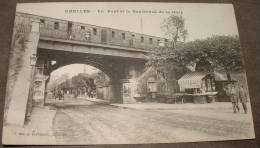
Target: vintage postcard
[85,73]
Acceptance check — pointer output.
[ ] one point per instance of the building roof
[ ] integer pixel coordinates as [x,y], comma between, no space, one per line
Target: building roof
[193,76]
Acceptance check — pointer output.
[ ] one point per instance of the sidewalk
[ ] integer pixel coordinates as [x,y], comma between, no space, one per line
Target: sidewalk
[216,110]
[37,131]
[94,100]
[212,107]
[186,106]
[74,101]
[165,106]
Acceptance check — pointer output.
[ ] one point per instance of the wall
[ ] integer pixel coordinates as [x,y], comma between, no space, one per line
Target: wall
[103,93]
[20,73]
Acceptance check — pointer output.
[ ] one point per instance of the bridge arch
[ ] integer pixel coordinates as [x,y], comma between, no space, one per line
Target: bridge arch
[103,87]
[108,72]
[112,68]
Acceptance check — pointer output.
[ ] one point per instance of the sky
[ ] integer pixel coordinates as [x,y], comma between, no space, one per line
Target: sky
[73,70]
[201,20]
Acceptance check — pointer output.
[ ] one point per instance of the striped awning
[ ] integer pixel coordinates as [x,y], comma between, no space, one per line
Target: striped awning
[191,80]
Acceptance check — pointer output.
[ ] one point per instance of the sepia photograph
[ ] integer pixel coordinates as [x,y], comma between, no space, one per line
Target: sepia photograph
[87,73]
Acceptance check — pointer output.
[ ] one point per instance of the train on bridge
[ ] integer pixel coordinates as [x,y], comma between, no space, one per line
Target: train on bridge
[68,30]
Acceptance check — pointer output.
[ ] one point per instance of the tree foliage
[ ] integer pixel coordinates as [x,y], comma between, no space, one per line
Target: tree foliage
[101,79]
[174,28]
[82,82]
[223,53]
[166,60]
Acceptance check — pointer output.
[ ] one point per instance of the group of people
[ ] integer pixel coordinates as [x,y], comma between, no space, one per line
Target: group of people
[237,94]
[58,94]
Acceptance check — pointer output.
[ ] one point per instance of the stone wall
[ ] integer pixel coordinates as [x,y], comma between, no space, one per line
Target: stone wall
[16,59]
[24,45]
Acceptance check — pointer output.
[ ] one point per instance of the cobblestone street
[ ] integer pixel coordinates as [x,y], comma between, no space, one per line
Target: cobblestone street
[99,123]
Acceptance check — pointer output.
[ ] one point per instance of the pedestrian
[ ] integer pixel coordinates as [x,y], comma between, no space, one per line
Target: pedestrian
[56,93]
[62,94]
[59,94]
[242,97]
[232,94]
[53,94]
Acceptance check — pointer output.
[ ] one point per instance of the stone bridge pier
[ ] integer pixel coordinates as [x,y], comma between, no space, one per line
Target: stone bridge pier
[18,102]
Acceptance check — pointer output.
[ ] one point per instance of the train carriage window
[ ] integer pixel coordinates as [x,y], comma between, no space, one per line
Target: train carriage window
[113,34]
[103,35]
[82,27]
[131,41]
[42,21]
[142,39]
[94,31]
[123,36]
[56,25]
[150,40]
[69,25]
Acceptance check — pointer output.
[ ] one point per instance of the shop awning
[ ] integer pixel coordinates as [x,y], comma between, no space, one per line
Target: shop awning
[191,80]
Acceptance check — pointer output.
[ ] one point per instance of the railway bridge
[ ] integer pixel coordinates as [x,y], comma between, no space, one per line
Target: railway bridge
[46,44]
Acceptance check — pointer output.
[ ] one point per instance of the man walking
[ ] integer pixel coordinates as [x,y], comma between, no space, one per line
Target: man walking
[242,97]
[232,93]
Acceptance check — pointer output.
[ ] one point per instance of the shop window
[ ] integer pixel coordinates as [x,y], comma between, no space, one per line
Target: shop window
[152,87]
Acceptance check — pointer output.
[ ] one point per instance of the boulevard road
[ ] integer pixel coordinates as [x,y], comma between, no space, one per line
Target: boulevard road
[95,123]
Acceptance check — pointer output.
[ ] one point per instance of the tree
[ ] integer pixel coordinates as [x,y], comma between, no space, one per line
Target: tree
[101,79]
[82,82]
[169,64]
[166,60]
[58,80]
[221,52]
[174,28]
